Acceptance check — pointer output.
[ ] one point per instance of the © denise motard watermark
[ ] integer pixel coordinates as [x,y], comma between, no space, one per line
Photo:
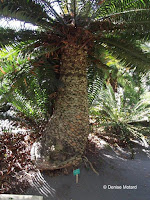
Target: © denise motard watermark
[120,187]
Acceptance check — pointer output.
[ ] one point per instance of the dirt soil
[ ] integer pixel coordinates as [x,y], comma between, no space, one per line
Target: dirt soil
[116,170]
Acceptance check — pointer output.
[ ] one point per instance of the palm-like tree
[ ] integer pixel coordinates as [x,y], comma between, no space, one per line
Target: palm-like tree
[76,34]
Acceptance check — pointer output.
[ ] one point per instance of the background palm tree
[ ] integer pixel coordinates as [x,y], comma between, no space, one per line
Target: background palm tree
[69,37]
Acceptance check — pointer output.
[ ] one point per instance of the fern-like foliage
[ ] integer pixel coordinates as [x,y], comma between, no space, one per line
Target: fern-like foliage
[28,85]
[30,60]
[95,83]
[114,25]
[118,112]
[28,11]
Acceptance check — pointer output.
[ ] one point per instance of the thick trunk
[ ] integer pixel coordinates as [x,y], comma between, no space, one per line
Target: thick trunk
[67,131]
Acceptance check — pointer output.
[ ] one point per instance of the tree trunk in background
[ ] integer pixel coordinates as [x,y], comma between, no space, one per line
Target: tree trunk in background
[66,133]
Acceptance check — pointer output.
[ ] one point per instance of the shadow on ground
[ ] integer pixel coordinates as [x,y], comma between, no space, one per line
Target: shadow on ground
[114,170]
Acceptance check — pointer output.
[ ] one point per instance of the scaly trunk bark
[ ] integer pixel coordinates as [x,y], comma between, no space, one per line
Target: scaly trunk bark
[66,134]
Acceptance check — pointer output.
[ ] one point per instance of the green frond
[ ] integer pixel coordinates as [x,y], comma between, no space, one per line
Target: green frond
[85,8]
[95,82]
[115,29]
[130,18]
[49,7]
[9,36]
[28,85]
[26,11]
[135,24]
[127,52]
[112,7]
[78,11]
[122,119]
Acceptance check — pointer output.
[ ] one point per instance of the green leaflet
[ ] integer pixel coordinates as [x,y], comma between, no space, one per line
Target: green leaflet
[112,29]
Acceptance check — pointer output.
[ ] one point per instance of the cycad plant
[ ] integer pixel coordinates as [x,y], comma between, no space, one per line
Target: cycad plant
[29,90]
[69,37]
[115,112]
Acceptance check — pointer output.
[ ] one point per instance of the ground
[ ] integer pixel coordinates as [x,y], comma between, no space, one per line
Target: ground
[114,168]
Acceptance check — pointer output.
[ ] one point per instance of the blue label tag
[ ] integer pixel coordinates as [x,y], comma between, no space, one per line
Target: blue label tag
[76,171]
